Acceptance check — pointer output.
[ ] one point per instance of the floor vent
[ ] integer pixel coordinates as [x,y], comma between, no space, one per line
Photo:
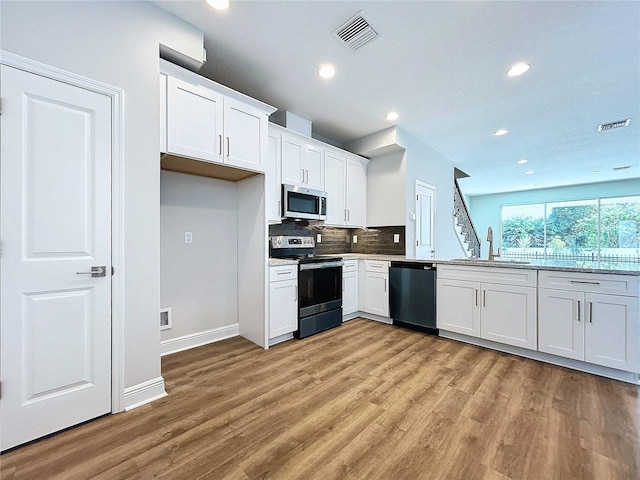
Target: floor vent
[357,32]
[609,126]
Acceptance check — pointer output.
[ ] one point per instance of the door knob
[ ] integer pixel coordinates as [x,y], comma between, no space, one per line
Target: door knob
[96,271]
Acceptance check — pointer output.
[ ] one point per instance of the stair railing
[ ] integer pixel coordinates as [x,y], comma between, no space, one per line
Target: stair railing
[463,220]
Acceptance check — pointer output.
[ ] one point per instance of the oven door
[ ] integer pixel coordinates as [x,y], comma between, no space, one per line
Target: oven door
[319,287]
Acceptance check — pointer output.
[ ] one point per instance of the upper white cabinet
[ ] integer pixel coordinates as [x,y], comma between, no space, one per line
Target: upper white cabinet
[346,187]
[491,303]
[302,162]
[207,121]
[589,317]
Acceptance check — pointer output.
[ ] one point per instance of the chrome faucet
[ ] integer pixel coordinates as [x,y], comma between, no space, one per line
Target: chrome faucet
[490,240]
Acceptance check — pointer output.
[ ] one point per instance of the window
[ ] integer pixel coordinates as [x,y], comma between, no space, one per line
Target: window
[596,230]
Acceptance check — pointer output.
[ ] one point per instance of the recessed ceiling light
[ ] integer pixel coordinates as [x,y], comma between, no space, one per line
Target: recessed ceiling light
[218,4]
[327,71]
[518,69]
[500,132]
[391,116]
[529,172]
[522,162]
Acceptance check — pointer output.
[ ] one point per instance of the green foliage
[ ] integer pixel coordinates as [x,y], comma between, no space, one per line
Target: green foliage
[523,231]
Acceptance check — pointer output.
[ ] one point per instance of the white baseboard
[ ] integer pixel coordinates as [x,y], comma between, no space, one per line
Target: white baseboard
[144,393]
[607,372]
[186,342]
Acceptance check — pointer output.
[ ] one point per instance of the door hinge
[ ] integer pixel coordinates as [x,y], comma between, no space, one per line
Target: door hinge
[0,248]
[417,243]
[0,106]
[0,390]
[113,271]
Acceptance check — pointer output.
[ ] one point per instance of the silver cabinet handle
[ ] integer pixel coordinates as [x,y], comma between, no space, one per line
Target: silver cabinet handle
[476,296]
[590,306]
[484,298]
[302,175]
[584,283]
[385,284]
[306,176]
[228,147]
[295,295]
[220,145]
[98,271]
[348,215]
[578,310]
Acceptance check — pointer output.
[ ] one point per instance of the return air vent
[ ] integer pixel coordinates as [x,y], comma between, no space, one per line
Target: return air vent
[615,169]
[357,32]
[609,126]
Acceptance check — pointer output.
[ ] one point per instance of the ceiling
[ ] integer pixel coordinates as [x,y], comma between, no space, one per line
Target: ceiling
[442,67]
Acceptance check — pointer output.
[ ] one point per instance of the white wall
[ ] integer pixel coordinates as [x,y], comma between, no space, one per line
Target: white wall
[198,280]
[430,166]
[385,190]
[117,43]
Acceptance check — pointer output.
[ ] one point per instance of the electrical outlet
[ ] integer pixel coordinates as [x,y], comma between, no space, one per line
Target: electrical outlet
[318,238]
[188,237]
[396,238]
[355,239]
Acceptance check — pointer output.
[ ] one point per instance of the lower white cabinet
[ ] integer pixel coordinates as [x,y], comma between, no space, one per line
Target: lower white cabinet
[283,300]
[490,303]
[376,287]
[349,287]
[576,321]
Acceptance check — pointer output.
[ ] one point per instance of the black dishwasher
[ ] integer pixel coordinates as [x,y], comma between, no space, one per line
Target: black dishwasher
[412,295]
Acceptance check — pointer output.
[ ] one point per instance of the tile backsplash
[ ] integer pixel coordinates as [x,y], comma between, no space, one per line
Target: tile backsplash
[341,240]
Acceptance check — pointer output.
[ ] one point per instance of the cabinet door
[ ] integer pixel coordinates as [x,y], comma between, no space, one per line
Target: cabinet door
[561,323]
[283,307]
[292,160]
[356,193]
[314,167]
[458,306]
[376,293]
[612,331]
[509,315]
[273,186]
[194,121]
[334,175]
[350,292]
[245,136]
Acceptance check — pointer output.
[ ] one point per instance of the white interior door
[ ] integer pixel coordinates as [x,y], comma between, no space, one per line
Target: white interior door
[55,214]
[425,220]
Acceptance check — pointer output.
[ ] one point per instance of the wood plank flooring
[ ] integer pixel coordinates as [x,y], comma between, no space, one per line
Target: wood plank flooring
[362,401]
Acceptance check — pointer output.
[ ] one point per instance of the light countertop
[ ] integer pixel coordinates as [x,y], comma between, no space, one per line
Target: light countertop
[582,267]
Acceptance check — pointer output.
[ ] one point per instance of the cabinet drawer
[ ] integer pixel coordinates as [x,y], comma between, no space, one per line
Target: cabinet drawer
[350,266]
[590,282]
[283,272]
[376,266]
[502,275]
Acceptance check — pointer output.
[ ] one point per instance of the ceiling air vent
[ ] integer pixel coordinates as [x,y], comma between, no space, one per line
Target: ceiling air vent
[609,126]
[615,169]
[357,32]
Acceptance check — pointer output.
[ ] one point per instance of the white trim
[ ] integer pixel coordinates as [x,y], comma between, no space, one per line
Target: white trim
[607,372]
[373,316]
[117,205]
[192,340]
[143,393]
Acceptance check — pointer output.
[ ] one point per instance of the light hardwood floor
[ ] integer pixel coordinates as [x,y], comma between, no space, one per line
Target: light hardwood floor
[362,401]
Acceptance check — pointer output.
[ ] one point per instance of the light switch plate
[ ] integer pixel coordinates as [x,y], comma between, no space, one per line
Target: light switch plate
[396,238]
[188,237]
[318,238]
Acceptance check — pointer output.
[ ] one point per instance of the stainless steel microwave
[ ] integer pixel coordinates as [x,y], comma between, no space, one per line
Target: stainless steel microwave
[304,203]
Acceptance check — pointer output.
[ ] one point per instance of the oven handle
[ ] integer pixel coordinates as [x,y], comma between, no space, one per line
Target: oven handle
[319,265]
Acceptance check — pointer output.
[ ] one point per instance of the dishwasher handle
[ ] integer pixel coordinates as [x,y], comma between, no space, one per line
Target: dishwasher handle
[414,265]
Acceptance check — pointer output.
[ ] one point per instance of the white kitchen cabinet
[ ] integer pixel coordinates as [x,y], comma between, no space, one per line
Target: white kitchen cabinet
[273,192]
[349,287]
[490,303]
[345,184]
[576,320]
[210,122]
[194,121]
[457,306]
[302,162]
[283,300]
[376,287]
